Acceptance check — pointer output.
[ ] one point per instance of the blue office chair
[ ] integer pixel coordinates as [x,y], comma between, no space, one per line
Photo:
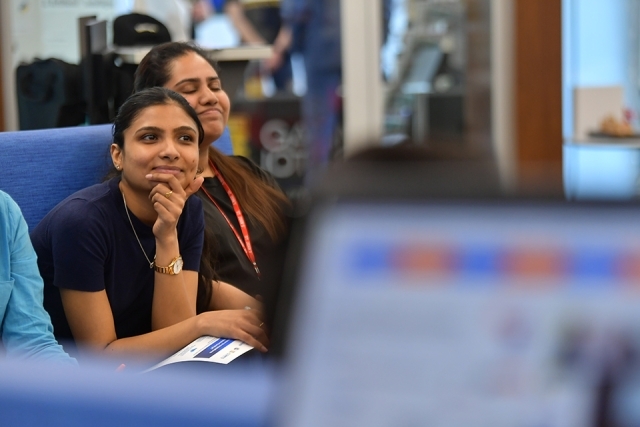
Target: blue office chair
[39,168]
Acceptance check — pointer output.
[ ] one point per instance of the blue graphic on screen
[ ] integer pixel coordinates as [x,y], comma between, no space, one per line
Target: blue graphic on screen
[371,257]
[594,263]
[479,260]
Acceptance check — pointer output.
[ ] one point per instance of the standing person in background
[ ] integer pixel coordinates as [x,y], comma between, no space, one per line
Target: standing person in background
[315,33]
[25,325]
[235,191]
[258,22]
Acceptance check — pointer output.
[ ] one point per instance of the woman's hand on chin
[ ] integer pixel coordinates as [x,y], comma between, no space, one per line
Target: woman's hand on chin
[168,198]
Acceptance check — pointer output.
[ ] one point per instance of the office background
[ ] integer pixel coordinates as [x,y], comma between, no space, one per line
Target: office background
[505,34]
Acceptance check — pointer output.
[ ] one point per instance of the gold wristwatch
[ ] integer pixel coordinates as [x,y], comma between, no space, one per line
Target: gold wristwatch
[173,268]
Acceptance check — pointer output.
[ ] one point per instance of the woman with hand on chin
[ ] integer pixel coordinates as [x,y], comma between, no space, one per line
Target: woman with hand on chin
[120,259]
[245,211]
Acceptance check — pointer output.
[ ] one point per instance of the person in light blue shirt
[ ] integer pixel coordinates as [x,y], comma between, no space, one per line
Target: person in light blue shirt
[25,326]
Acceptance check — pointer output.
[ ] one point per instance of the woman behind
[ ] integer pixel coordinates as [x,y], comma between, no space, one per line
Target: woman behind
[235,192]
[120,259]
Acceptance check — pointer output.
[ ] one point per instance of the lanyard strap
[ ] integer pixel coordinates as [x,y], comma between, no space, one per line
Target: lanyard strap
[245,241]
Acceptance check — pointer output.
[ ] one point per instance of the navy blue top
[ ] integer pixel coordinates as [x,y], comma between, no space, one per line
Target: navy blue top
[86,243]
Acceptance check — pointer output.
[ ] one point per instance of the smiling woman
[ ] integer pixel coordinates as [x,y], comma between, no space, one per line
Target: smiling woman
[246,213]
[120,259]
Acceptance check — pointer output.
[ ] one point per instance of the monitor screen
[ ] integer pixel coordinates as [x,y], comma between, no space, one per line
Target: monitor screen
[496,313]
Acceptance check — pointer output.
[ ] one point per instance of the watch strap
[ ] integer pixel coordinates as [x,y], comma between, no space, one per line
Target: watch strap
[168,269]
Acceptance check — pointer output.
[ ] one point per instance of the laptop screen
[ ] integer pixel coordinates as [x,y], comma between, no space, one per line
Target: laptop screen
[513,313]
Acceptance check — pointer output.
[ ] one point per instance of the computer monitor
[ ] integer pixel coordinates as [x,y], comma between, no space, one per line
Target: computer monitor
[449,311]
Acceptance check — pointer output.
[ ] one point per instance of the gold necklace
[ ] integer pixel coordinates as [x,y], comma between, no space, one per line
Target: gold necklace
[126,209]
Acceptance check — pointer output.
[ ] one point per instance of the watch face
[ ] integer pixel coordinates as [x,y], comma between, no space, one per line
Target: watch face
[177,267]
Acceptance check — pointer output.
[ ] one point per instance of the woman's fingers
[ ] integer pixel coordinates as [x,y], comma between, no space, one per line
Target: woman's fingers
[167,204]
[165,184]
[238,324]
[194,186]
[253,326]
[168,199]
[254,339]
[168,191]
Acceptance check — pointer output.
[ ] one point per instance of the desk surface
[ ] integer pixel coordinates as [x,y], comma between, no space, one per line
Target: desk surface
[133,55]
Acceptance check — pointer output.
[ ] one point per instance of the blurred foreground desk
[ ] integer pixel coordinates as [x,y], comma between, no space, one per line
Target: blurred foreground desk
[38,394]
[232,62]
[601,168]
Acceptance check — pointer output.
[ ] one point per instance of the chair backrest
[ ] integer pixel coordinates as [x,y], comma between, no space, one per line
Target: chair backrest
[39,168]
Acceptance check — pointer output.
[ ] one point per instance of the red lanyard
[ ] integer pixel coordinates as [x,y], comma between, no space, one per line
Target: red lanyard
[246,244]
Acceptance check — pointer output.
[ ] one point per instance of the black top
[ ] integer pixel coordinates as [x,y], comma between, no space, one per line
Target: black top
[229,259]
[86,243]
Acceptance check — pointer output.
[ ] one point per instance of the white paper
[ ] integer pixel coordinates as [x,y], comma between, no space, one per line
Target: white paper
[208,349]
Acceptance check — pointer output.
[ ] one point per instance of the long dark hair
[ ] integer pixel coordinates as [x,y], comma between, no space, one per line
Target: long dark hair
[127,113]
[262,203]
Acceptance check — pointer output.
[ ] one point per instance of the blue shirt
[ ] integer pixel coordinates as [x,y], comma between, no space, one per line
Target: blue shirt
[25,325]
[86,243]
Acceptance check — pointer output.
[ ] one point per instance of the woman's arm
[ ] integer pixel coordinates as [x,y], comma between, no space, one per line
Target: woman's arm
[281,45]
[26,327]
[174,296]
[91,322]
[227,297]
[248,34]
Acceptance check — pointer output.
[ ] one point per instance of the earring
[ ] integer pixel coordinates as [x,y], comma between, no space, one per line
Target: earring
[117,167]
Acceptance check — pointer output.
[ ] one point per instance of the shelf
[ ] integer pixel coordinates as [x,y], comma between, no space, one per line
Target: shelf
[133,55]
